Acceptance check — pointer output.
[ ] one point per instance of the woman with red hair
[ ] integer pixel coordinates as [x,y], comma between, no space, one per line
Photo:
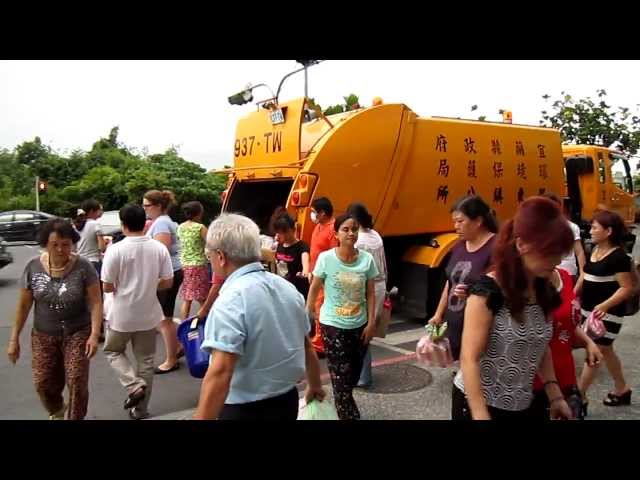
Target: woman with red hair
[507,321]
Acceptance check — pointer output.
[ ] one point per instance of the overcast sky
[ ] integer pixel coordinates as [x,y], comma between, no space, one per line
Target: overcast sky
[70,104]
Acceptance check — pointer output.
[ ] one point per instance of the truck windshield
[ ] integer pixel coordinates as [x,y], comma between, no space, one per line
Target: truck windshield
[628,183]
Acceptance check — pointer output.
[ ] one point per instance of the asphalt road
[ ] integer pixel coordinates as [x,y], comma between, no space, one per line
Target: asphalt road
[403,389]
[173,392]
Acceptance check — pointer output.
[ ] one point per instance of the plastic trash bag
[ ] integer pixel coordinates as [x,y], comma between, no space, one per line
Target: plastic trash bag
[594,327]
[317,410]
[433,349]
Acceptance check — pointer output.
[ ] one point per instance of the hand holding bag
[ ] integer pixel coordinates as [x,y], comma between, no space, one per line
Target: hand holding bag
[433,349]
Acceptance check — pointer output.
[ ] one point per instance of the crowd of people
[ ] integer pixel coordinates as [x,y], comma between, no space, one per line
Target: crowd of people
[515,301]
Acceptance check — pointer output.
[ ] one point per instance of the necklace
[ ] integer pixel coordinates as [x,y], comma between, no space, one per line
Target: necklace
[57,269]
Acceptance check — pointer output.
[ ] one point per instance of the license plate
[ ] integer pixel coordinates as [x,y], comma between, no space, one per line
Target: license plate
[277,117]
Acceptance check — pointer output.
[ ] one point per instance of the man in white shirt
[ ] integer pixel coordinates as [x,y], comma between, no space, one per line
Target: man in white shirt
[133,270]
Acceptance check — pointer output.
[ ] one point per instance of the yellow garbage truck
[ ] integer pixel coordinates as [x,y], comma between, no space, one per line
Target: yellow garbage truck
[409,170]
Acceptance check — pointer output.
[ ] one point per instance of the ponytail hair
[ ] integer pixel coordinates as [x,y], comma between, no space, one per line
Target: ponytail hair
[166,198]
[90,205]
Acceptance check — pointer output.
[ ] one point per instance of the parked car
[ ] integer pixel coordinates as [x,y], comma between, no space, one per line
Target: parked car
[5,256]
[110,225]
[22,225]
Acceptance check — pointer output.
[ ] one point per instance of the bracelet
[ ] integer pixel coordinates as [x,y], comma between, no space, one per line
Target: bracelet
[553,400]
[549,383]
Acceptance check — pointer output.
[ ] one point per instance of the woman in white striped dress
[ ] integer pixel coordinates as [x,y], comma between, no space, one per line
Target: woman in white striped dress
[605,284]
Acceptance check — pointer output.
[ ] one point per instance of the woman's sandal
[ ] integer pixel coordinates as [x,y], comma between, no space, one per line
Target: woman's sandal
[613,400]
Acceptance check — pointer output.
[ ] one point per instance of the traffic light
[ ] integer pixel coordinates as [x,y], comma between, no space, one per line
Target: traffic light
[42,186]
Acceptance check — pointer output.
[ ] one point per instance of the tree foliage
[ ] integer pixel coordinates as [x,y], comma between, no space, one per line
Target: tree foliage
[594,122]
[351,102]
[110,172]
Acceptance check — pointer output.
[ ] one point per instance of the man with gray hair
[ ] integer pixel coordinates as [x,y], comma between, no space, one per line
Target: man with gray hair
[257,333]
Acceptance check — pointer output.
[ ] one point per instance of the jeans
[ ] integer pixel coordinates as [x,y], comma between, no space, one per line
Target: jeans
[366,378]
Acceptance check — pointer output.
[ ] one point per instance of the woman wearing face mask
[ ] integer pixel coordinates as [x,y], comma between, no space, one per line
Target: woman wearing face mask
[507,324]
[347,316]
[470,258]
[605,284]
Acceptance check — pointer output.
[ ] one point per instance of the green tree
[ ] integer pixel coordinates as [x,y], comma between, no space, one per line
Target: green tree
[110,172]
[351,102]
[585,121]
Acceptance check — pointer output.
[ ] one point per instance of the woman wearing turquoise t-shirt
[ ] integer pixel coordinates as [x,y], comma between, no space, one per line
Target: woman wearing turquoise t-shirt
[347,316]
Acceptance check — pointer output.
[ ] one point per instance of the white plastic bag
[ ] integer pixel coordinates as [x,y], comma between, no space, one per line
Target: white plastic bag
[317,410]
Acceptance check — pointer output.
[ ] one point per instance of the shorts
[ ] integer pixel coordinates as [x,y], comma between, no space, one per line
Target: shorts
[167,298]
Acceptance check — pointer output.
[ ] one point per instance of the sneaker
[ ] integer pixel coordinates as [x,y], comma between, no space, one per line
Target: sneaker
[137,414]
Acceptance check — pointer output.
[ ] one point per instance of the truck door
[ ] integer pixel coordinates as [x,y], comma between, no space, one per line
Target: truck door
[621,189]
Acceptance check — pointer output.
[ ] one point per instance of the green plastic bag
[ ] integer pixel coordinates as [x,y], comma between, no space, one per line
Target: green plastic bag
[318,411]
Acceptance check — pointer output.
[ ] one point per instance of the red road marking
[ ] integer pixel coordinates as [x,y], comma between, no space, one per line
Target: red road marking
[387,361]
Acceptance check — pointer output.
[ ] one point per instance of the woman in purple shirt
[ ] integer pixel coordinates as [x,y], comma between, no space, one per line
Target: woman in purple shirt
[470,258]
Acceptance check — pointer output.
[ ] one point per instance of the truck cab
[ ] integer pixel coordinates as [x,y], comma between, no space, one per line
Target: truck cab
[591,183]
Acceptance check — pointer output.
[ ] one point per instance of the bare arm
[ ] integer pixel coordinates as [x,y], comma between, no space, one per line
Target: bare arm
[305,264]
[477,324]
[370,329]
[22,312]
[442,305]
[108,287]
[579,250]
[165,283]
[164,238]
[557,404]
[215,385]
[314,290]
[594,355]
[95,300]
[578,288]
[314,385]
[94,296]
[203,233]
[547,373]
[208,303]
[102,245]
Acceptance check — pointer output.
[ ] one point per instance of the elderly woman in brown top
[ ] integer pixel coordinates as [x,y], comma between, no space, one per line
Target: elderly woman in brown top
[68,313]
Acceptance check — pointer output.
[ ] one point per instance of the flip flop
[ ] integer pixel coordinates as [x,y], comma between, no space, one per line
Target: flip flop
[160,371]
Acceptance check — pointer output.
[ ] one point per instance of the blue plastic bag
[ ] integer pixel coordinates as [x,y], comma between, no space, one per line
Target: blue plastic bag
[191,335]
[318,411]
